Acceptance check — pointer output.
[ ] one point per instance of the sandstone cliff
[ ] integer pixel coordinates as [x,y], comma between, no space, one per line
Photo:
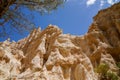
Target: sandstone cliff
[52,55]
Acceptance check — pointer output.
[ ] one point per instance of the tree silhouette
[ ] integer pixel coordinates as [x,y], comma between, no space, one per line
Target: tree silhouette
[12,13]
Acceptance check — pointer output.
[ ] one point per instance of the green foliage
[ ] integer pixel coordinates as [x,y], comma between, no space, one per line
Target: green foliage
[112,76]
[118,64]
[42,6]
[105,73]
[102,68]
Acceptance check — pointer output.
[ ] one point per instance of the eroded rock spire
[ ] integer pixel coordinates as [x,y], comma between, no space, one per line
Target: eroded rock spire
[51,55]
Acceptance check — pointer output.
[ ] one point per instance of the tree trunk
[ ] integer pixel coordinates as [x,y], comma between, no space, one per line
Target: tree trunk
[4,6]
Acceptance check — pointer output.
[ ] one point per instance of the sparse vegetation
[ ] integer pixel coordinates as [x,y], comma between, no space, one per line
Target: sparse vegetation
[105,72]
[112,76]
[118,64]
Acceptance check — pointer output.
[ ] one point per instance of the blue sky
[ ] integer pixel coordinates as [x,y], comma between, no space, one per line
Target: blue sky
[74,17]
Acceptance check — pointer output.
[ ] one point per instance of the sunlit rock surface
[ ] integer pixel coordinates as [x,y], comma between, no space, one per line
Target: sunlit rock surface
[52,55]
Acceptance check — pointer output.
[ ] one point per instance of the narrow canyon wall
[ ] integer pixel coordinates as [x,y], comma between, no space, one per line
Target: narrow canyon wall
[51,55]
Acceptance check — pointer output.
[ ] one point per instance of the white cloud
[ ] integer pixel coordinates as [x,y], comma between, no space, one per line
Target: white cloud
[102,2]
[90,2]
[110,2]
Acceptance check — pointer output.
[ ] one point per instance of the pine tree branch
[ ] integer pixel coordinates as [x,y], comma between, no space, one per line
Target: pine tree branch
[5,6]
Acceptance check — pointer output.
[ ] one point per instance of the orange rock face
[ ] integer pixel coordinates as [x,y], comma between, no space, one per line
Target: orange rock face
[51,55]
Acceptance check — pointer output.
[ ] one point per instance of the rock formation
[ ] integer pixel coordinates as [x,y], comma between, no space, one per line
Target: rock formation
[52,55]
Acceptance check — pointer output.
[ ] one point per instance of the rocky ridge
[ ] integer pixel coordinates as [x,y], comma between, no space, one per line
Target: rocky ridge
[52,55]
